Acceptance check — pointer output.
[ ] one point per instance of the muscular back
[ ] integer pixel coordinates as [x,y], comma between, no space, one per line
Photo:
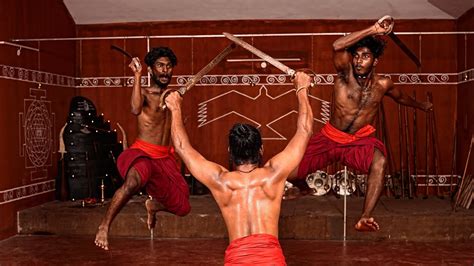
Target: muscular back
[154,123]
[250,202]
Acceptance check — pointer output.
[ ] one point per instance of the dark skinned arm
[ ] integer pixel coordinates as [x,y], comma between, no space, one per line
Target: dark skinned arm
[403,99]
[137,99]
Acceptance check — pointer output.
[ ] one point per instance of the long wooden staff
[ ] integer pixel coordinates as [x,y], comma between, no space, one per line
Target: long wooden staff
[460,188]
[400,146]
[427,172]
[388,146]
[415,142]
[453,164]
[407,151]
[434,134]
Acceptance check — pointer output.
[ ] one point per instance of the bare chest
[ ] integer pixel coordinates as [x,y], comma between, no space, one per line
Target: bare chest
[152,103]
[355,95]
[152,114]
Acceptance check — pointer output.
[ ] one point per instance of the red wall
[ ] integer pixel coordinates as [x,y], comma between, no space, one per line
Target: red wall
[465,108]
[93,58]
[439,55]
[27,155]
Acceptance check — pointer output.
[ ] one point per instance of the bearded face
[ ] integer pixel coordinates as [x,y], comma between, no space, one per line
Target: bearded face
[161,72]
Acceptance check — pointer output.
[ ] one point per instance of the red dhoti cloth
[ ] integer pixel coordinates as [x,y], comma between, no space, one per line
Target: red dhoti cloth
[159,174]
[257,249]
[331,145]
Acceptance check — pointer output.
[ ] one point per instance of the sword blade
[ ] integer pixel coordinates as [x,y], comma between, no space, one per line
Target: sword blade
[122,51]
[192,81]
[405,49]
[260,54]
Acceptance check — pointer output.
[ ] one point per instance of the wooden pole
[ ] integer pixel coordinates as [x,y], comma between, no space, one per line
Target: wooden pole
[464,173]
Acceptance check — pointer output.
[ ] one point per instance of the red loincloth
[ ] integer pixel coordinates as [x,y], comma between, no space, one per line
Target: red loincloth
[342,137]
[154,151]
[261,249]
[159,174]
[331,145]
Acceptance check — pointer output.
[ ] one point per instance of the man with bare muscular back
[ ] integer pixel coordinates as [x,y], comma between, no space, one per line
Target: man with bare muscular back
[250,196]
[358,91]
[150,161]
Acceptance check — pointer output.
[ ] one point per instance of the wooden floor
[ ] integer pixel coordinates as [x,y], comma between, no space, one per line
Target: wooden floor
[413,232]
[80,250]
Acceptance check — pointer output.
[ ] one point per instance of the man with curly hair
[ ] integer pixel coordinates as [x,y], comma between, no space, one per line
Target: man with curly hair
[358,92]
[150,161]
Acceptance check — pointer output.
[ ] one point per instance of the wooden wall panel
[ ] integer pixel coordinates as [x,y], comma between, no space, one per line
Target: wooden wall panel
[322,54]
[394,60]
[31,19]
[184,52]
[102,61]
[444,120]
[465,108]
[438,54]
[93,58]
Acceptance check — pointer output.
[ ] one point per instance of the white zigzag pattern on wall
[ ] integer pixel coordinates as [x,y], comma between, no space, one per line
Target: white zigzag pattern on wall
[203,119]
[325,111]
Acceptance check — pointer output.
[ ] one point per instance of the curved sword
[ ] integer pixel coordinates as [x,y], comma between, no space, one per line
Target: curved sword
[405,49]
[397,40]
[120,50]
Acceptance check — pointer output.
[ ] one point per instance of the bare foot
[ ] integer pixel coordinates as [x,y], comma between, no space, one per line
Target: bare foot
[101,238]
[367,225]
[152,207]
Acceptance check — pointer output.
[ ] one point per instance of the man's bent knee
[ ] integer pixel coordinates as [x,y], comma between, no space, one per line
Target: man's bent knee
[132,182]
[379,162]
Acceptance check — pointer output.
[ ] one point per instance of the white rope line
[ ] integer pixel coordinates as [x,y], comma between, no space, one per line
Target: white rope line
[237,35]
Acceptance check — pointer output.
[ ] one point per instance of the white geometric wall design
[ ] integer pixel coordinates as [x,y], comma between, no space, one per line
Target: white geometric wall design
[204,120]
[36,129]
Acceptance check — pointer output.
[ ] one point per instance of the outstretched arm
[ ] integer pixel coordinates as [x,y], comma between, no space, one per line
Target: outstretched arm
[137,96]
[203,170]
[291,156]
[341,57]
[404,99]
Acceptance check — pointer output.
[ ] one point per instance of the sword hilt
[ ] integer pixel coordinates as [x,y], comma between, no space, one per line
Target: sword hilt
[165,93]
[384,18]
[291,73]
[306,70]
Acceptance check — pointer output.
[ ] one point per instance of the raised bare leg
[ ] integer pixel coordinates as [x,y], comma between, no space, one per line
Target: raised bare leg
[375,183]
[120,198]
[152,207]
